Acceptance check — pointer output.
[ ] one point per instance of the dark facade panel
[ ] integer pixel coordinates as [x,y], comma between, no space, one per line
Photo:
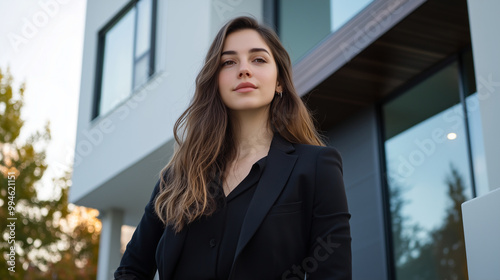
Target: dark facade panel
[357,140]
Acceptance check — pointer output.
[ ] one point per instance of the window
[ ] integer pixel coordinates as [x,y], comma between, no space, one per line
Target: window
[303,24]
[126,54]
[433,144]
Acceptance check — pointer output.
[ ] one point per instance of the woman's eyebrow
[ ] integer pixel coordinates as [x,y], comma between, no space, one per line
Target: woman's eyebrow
[250,51]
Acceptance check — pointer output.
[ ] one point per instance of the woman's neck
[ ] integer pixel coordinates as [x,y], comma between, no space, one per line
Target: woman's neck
[252,133]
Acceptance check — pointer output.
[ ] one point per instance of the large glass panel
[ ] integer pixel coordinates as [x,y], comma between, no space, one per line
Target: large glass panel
[303,24]
[428,176]
[118,63]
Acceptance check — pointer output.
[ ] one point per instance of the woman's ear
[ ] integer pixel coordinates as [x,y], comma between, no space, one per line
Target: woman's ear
[279,88]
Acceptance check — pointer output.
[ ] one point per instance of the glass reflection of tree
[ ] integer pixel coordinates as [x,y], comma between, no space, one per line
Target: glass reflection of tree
[404,234]
[449,241]
[443,255]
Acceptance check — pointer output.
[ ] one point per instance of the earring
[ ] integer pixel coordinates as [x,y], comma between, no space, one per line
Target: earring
[280,94]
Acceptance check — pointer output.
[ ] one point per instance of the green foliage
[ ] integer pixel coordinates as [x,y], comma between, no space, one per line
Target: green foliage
[10,109]
[52,241]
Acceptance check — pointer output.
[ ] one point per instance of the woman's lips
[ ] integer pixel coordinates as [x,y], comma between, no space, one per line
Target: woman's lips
[245,87]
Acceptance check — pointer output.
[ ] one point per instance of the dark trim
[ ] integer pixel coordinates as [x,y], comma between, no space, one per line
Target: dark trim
[462,78]
[98,75]
[386,197]
[118,16]
[152,46]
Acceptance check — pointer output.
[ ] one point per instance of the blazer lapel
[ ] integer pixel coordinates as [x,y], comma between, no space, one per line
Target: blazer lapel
[278,168]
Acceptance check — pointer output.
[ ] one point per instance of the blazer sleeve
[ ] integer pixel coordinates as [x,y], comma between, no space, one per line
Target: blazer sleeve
[330,239]
[138,261]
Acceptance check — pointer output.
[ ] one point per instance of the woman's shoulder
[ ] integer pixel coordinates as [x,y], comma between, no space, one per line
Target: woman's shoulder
[315,149]
[313,153]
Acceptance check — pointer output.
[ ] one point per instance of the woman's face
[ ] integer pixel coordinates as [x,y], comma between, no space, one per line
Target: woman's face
[248,75]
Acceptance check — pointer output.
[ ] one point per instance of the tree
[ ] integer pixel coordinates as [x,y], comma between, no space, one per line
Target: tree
[45,233]
[443,255]
[412,256]
[404,234]
[449,240]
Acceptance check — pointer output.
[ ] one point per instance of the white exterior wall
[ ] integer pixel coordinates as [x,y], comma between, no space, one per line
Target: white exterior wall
[480,215]
[484,22]
[482,231]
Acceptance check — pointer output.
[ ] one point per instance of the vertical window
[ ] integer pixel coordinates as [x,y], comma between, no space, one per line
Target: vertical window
[125,55]
[431,133]
[303,24]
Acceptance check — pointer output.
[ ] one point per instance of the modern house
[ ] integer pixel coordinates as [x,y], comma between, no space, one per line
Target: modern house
[407,90]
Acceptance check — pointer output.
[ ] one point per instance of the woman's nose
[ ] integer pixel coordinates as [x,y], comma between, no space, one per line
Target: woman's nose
[244,70]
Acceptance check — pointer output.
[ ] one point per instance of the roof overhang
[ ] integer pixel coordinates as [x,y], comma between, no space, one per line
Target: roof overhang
[383,48]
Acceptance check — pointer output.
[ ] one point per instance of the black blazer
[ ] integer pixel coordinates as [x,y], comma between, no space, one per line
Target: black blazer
[297,223]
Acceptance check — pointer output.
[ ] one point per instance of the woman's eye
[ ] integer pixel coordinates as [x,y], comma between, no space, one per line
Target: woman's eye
[227,63]
[260,60]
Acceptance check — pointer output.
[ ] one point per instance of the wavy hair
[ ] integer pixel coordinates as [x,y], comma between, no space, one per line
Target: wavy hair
[204,136]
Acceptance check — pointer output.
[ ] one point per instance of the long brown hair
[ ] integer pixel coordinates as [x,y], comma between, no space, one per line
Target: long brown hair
[204,137]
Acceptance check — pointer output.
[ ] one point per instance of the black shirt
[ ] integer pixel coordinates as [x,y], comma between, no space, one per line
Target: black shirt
[210,243]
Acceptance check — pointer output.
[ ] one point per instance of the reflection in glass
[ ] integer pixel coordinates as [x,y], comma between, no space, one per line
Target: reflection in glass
[428,178]
[303,24]
[342,11]
[143,27]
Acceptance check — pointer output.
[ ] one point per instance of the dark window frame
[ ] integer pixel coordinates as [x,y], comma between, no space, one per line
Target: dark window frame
[270,10]
[101,46]
[458,58]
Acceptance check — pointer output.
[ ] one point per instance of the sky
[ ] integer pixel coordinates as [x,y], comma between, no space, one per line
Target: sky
[42,43]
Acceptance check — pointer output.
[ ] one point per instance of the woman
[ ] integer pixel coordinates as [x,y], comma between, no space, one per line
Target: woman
[251,192]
